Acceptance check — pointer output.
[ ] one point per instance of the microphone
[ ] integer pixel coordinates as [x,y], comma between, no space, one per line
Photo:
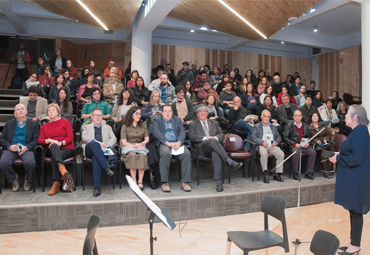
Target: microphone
[334,120]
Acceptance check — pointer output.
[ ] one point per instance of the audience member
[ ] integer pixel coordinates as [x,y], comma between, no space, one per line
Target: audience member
[134,137]
[41,61]
[207,137]
[194,70]
[268,105]
[111,90]
[72,84]
[301,97]
[57,136]
[307,109]
[317,100]
[289,80]
[32,81]
[95,70]
[58,63]
[189,93]
[64,104]
[260,89]
[205,91]
[84,91]
[123,104]
[227,96]
[111,64]
[84,75]
[127,73]
[134,74]
[139,93]
[296,86]
[157,81]
[18,139]
[182,107]
[72,70]
[154,108]
[96,138]
[45,79]
[328,113]
[251,78]
[215,77]
[242,88]
[277,85]
[171,134]
[285,111]
[342,111]
[269,91]
[60,82]
[264,81]
[166,90]
[211,105]
[336,99]
[291,97]
[171,75]
[237,74]
[36,106]
[226,69]
[261,74]
[250,99]
[267,137]
[269,77]
[312,91]
[184,74]
[96,102]
[199,80]
[162,66]
[294,132]
[22,59]
[221,86]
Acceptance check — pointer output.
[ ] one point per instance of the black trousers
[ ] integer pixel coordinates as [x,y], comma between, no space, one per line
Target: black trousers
[357,222]
[23,73]
[212,148]
[57,156]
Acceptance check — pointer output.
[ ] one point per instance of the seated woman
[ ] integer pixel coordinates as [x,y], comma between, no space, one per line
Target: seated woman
[139,93]
[342,111]
[134,137]
[269,91]
[98,77]
[336,99]
[40,63]
[83,95]
[65,105]
[212,108]
[84,75]
[73,74]
[60,82]
[242,88]
[32,81]
[328,113]
[215,78]
[72,77]
[134,75]
[268,105]
[321,141]
[221,86]
[317,101]
[45,79]
[123,104]
[291,97]
[57,136]
[154,107]
[250,99]
[189,93]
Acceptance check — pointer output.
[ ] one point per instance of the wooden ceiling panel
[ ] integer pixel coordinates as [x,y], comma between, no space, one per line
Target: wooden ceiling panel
[268,16]
[114,14]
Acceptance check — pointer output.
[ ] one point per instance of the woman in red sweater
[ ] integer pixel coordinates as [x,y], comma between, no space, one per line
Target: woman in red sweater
[57,135]
[291,97]
[72,70]
[45,79]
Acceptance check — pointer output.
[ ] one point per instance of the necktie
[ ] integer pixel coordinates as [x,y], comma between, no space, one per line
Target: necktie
[206,128]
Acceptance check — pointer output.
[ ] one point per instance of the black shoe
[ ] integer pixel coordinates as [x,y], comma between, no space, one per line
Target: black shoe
[96,192]
[309,176]
[348,253]
[109,172]
[278,178]
[295,176]
[343,248]
[142,186]
[236,165]
[219,187]
[266,179]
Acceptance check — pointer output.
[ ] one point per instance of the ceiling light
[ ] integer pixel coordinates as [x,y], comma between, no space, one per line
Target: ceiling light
[288,23]
[282,28]
[240,17]
[203,28]
[92,14]
[315,28]
[312,10]
[282,42]
[214,30]
[192,31]
[76,20]
[304,14]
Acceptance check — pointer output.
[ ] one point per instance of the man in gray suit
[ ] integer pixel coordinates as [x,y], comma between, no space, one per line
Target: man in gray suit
[208,137]
[267,137]
[36,106]
[171,134]
[285,111]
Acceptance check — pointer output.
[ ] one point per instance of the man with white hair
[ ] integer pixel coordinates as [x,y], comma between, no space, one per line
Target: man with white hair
[268,138]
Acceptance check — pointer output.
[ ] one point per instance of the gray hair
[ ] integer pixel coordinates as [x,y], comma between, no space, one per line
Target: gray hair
[265,111]
[345,105]
[201,107]
[360,111]
[113,70]
[284,95]
[160,71]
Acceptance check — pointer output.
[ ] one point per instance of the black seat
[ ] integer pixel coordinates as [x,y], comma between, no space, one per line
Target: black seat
[90,243]
[324,243]
[251,241]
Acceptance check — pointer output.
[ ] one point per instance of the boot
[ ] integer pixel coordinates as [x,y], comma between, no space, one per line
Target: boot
[63,170]
[54,189]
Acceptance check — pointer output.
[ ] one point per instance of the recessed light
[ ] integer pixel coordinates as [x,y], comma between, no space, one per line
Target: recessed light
[192,31]
[288,23]
[312,10]
[282,42]
[92,14]
[304,14]
[203,28]
[315,28]
[282,28]
[76,20]
[214,30]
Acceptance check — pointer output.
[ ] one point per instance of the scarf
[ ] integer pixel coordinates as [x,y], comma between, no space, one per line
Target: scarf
[29,83]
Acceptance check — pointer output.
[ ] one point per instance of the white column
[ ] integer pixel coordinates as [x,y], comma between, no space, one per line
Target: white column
[141,54]
[365,34]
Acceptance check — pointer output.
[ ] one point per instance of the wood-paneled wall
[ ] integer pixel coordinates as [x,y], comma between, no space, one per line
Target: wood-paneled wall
[176,55]
[70,51]
[343,77]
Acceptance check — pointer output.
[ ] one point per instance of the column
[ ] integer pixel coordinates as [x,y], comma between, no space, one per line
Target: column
[365,38]
[141,54]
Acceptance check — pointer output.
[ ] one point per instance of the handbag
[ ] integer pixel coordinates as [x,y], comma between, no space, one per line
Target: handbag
[68,184]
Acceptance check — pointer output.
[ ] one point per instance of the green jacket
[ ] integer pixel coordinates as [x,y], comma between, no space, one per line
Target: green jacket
[89,107]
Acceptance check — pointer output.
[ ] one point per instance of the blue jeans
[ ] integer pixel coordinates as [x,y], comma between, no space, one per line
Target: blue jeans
[99,162]
[244,126]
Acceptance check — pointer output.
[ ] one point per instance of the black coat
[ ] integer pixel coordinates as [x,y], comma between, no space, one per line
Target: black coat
[137,95]
[291,135]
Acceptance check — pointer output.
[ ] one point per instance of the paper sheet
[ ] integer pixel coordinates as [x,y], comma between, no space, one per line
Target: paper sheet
[178,152]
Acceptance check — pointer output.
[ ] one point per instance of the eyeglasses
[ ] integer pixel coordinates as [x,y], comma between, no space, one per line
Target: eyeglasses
[35,77]
[202,111]
[97,115]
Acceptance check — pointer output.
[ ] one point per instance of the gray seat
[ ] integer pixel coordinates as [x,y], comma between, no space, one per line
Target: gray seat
[324,243]
[251,241]
[90,246]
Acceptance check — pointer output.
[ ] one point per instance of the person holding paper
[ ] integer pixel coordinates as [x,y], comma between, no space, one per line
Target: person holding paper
[134,137]
[208,136]
[296,133]
[171,134]
[96,138]
[268,138]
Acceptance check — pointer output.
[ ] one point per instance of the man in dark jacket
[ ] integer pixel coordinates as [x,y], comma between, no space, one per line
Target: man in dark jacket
[171,134]
[278,85]
[184,74]
[19,138]
[307,109]
[285,111]
[294,132]
[182,107]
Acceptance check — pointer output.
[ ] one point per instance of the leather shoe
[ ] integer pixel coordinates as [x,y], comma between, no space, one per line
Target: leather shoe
[236,165]
[142,186]
[109,172]
[309,176]
[15,184]
[278,178]
[166,187]
[349,253]
[266,179]
[219,187]
[96,192]
[185,187]
[295,176]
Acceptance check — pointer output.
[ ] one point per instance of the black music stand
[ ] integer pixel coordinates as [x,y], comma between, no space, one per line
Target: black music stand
[161,214]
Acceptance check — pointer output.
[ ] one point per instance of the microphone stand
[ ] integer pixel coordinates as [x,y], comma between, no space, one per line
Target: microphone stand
[297,241]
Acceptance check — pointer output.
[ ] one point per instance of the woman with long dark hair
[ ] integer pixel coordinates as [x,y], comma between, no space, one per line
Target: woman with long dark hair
[72,70]
[268,105]
[40,63]
[250,99]
[139,93]
[269,90]
[60,82]
[123,104]
[45,79]
[251,78]
[85,72]
[65,105]
[212,108]
[317,100]
[32,81]
[221,85]
[83,95]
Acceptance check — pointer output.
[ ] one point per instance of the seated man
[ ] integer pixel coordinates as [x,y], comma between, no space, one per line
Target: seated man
[237,115]
[36,106]
[19,137]
[111,90]
[96,102]
[203,92]
[199,81]
[96,137]
[300,99]
[285,111]
[184,74]
[293,133]
[183,108]
[307,109]
[312,91]
[171,135]
[157,81]
[208,137]
[111,64]
[268,138]
[166,90]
